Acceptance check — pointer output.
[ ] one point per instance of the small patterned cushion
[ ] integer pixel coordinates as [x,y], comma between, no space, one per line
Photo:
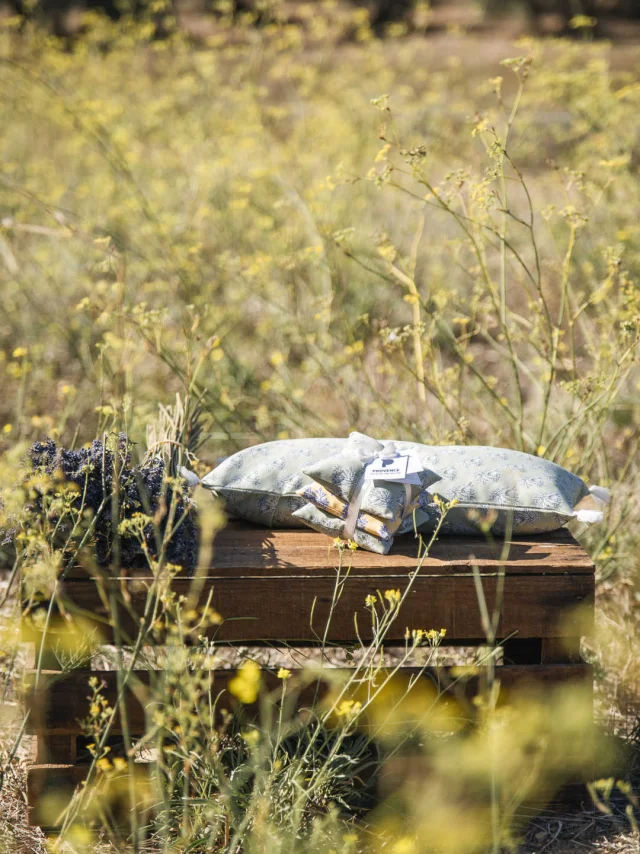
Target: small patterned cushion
[342,474]
[325,523]
[328,502]
[260,483]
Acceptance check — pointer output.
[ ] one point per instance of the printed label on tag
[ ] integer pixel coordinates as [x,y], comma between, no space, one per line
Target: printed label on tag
[387,468]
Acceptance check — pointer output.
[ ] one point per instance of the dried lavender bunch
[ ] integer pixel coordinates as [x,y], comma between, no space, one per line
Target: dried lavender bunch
[100,472]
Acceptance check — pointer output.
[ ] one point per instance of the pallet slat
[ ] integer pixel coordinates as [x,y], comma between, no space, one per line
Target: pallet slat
[60,702]
[246,551]
[271,609]
[49,790]
[46,783]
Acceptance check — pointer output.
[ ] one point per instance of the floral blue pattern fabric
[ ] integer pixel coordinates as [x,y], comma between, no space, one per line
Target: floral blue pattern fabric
[504,489]
[330,503]
[259,484]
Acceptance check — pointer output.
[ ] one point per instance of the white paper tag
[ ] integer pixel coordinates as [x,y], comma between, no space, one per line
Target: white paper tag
[415,464]
[387,468]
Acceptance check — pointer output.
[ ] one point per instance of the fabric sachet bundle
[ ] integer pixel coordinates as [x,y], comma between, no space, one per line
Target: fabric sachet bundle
[327,513]
[351,498]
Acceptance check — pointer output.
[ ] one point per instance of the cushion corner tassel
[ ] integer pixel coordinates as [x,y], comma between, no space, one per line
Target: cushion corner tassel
[601,497]
[589,517]
[190,477]
[601,494]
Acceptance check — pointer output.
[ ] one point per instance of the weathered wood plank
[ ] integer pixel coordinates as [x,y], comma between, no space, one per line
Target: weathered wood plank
[53,747]
[49,790]
[249,550]
[270,609]
[61,701]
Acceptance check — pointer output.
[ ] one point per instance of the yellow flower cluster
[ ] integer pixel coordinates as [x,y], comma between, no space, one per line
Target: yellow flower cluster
[393,597]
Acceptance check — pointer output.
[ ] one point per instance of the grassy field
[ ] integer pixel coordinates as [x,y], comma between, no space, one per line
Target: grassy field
[298,234]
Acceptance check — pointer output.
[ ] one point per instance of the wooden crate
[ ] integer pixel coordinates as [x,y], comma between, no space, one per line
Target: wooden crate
[267,583]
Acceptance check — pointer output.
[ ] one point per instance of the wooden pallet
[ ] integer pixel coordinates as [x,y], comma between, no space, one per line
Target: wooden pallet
[267,583]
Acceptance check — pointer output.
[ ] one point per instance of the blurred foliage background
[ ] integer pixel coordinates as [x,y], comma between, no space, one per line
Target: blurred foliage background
[316,217]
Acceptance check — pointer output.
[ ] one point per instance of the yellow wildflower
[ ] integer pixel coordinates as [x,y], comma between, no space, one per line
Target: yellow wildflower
[383,153]
[392,596]
[251,737]
[404,845]
[348,708]
[246,684]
